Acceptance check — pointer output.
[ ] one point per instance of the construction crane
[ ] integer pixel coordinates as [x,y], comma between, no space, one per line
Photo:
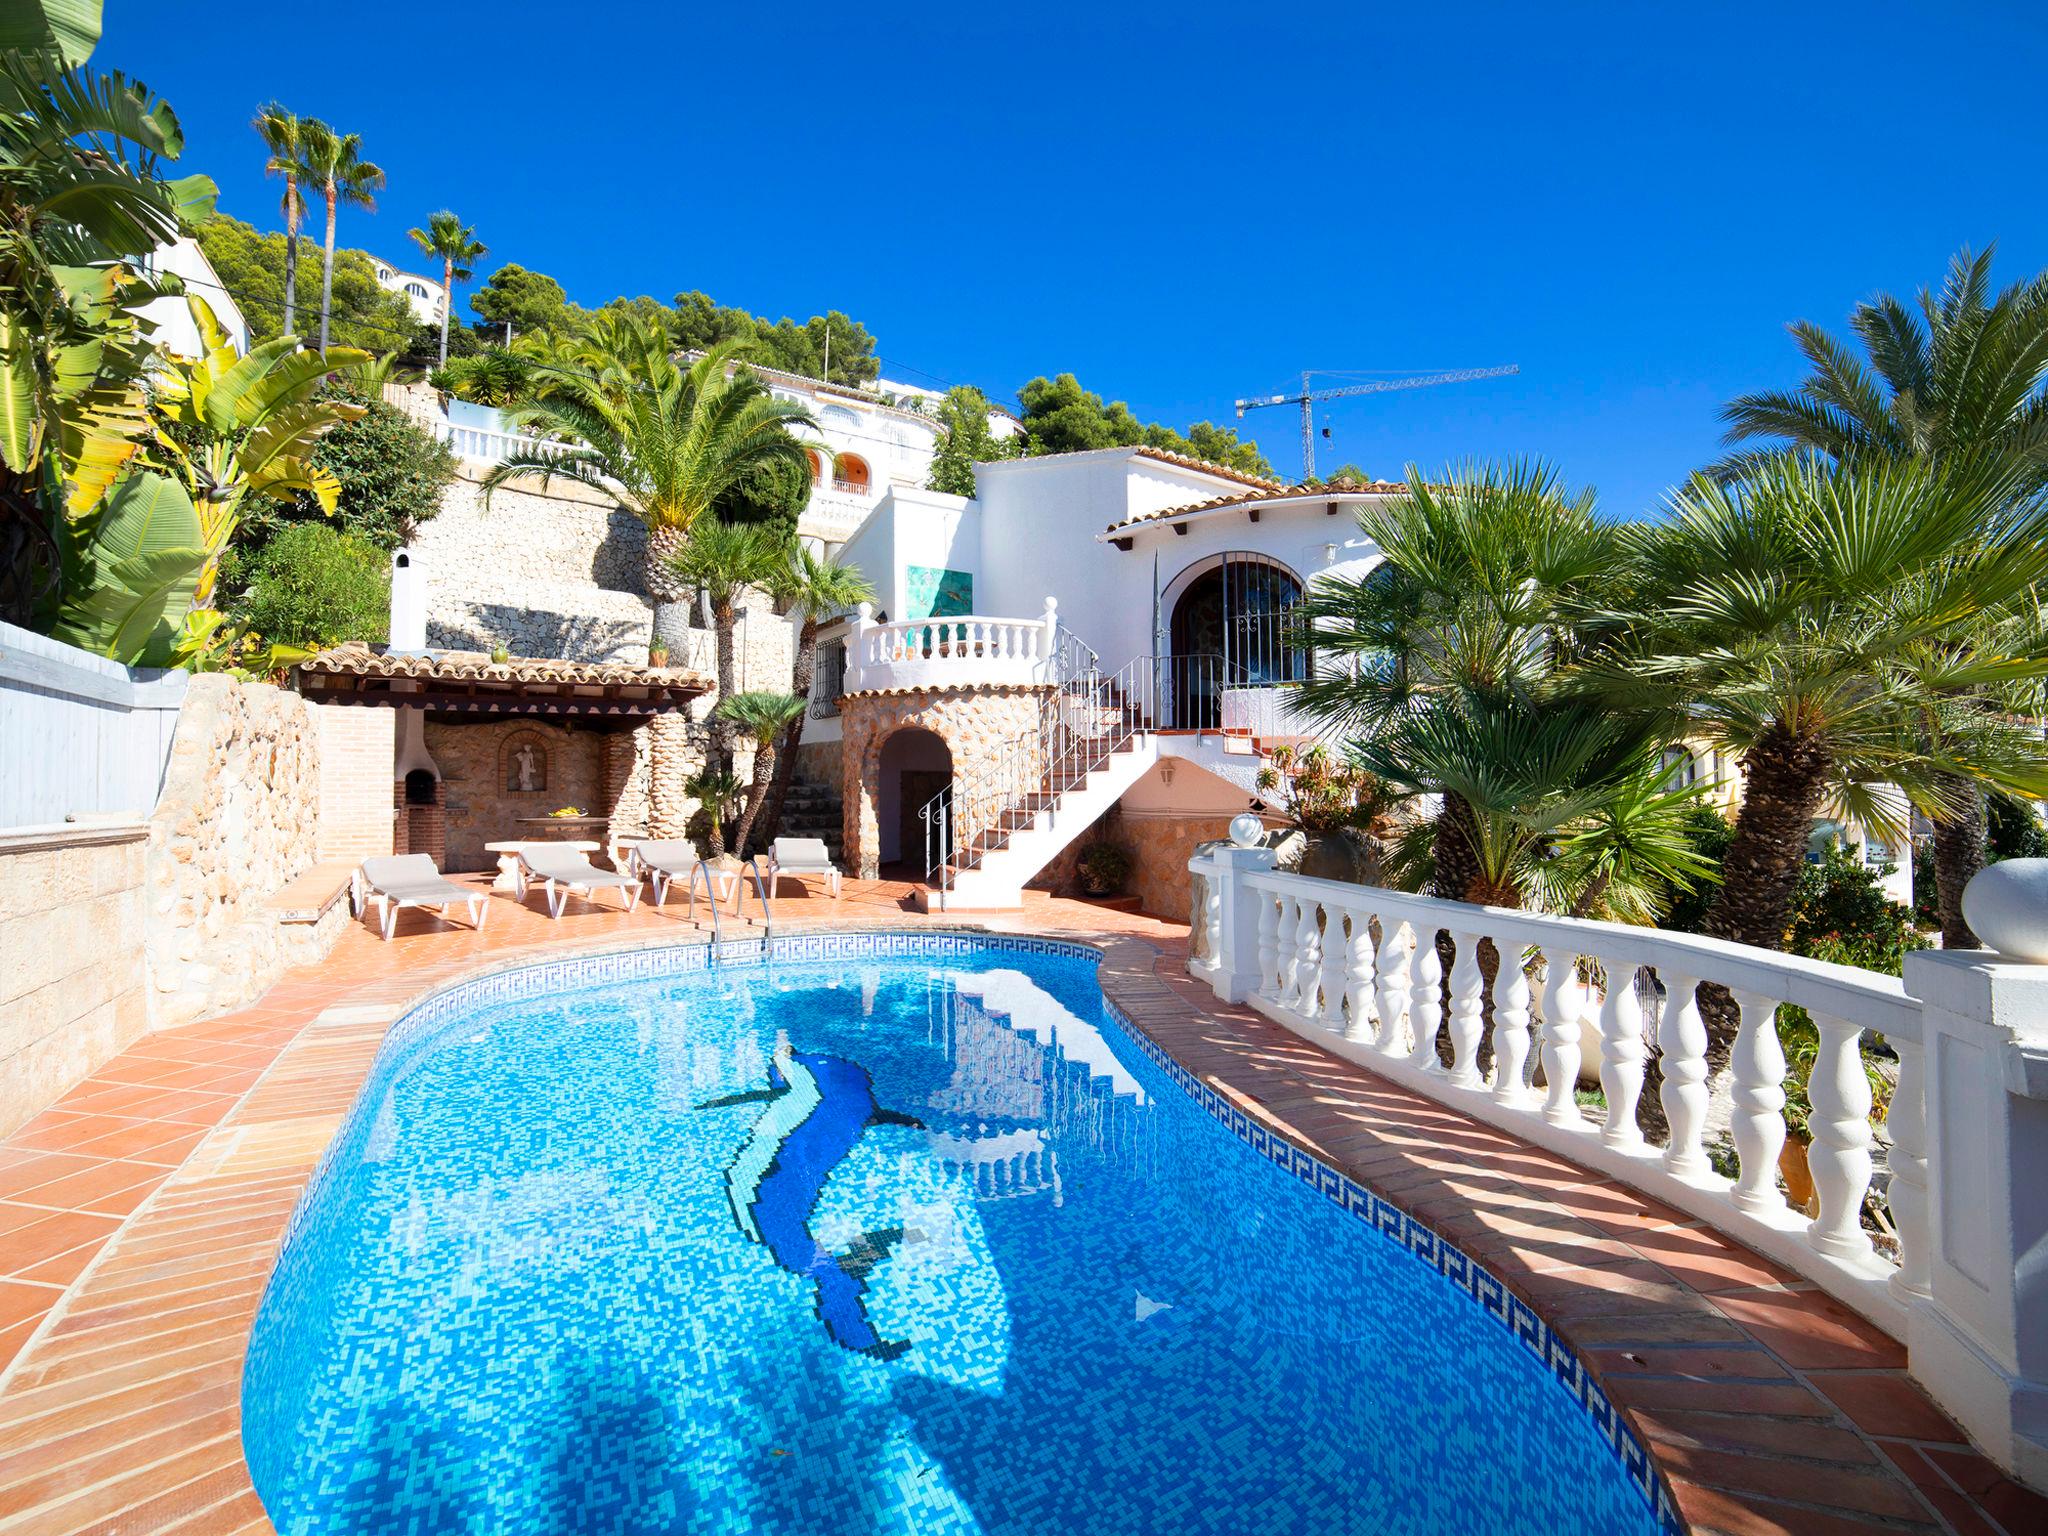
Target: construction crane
[1309,396]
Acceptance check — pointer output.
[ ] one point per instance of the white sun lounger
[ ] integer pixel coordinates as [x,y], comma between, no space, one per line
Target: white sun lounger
[563,871]
[802,856]
[664,860]
[397,881]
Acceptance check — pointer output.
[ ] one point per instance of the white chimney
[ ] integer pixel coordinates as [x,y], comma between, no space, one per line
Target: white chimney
[408,603]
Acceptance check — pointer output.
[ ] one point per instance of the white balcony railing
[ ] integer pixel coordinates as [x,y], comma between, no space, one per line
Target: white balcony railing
[482,445]
[1358,969]
[972,650]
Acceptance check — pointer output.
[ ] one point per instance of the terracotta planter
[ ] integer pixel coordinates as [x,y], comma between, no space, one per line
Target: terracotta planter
[1793,1169]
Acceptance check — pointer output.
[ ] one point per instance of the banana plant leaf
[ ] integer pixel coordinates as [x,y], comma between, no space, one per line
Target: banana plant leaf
[69,27]
[130,572]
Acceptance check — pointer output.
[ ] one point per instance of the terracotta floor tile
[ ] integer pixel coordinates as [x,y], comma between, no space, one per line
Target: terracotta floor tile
[1810,1330]
[21,1301]
[1866,1490]
[1885,1403]
[1726,1514]
[90,1187]
[52,1234]
[1808,1439]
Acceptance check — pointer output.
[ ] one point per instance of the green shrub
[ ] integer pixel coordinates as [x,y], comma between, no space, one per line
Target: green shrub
[392,472]
[1709,833]
[1841,913]
[314,585]
[2013,831]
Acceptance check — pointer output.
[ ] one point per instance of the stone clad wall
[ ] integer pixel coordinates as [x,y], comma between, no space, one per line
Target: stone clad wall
[978,726]
[72,991]
[357,755]
[239,819]
[477,774]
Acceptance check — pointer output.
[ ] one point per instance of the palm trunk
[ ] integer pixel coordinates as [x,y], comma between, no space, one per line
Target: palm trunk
[671,598]
[327,273]
[793,734]
[1784,776]
[291,255]
[764,768]
[722,615]
[447,303]
[1958,856]
[1456,852]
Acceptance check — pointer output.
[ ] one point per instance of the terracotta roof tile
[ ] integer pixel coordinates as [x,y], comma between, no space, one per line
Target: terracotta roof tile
[355,659]
[1268,496]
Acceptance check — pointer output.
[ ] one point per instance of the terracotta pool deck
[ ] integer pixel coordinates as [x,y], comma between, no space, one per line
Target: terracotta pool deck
[140,1217]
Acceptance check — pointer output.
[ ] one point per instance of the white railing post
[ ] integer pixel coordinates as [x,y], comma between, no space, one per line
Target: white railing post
[1049,640]
[1759,1123]
[1244,948]
[1563,1002]
[1397,944]
[1360,1019]
[1905,1122]
[1622,1054]
[1468,1011]
[1682,1054]
[1426,1001]
[1336,956]
[1839,1155]
[1979,1339]
[1510,1029]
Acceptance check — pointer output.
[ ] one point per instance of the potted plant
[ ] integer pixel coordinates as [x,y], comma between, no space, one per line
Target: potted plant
[657,654]
[500,655]
[1104,868]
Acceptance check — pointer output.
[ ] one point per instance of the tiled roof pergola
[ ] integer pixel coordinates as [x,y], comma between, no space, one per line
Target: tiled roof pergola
[470,683]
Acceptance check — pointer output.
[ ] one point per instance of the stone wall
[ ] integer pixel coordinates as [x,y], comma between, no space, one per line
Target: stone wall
[238,819]
[480,774]
[978,726]
[1160,847]
[72,990]
[357,753]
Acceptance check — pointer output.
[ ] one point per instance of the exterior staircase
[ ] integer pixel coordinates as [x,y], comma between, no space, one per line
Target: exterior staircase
[1096,737]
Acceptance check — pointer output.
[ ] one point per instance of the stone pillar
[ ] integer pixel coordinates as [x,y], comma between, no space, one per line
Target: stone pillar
[1979,1339]
[674,754]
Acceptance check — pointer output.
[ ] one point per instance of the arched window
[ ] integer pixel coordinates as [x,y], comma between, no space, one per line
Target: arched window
[850,472]
[416,290]
[1229,623]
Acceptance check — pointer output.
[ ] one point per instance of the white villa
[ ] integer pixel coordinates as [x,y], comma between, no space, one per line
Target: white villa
[426,294]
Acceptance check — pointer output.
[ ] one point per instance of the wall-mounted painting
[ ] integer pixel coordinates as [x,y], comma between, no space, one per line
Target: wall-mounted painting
[937,593]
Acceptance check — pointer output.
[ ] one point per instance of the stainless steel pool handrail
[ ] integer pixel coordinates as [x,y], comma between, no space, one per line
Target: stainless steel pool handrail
[761,894]
[710,900]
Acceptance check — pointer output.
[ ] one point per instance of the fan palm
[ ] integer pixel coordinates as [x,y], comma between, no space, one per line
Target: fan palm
[763,716]
[1961,377]
[1470,611]
[333,163]
[1803,616]
[456,244]
[815,588]
[282,133]
[664,441]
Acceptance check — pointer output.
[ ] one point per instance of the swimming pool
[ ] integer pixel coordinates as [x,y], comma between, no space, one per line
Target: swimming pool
[892,1233]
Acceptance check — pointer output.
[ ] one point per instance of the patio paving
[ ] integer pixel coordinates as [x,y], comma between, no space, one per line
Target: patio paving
[141,1214]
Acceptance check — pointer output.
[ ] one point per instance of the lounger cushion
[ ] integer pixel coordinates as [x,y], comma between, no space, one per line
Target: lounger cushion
[801,853]
[568,867]
[672,854]
[411,877]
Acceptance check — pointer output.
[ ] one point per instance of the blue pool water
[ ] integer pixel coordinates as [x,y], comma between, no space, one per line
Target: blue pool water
[883,1242]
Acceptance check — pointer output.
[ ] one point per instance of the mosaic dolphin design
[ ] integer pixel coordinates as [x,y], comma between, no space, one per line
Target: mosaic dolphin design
[818,1109]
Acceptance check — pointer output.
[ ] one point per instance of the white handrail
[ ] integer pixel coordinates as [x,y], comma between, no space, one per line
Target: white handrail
[1359,969]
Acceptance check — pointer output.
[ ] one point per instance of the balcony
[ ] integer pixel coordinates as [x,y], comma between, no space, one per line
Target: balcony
[969,651]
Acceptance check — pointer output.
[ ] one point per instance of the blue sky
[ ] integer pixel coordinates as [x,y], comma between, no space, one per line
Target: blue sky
[1185,205]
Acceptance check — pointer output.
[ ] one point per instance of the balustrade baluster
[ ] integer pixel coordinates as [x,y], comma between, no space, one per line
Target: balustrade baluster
[1759,1123]
[1307,960]
[1839,1156]
[1283,940]
[1905,1122]
[1335,955]
[1682,1057]
[1395,949]
[1212,916]
[1426,1001]
[1622,1054]
[1563,1002]
[1510,1030]
[1468,1011]
[1361,1018]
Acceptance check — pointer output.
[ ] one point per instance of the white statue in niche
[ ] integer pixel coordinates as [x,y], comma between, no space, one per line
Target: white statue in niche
[526,768]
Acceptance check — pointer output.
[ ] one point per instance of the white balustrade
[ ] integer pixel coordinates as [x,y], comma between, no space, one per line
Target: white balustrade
[971,650]
[1358,969]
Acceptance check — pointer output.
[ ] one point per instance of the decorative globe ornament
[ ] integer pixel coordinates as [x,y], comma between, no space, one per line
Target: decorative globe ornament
[2007,906]
[1247,831]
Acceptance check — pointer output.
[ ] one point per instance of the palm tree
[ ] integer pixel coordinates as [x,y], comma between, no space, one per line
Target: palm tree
[1961,377]
[1471,606]
[814,588]
[764,717]
[664,441]
[1803,617]
[721,560]
[283,135]
[334,164]
[456,244]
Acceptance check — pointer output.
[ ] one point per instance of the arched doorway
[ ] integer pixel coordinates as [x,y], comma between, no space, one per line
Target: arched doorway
[850,473]
[1229,629]
[915,767]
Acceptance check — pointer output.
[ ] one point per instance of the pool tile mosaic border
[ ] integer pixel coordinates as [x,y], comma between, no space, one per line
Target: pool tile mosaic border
[652,962]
